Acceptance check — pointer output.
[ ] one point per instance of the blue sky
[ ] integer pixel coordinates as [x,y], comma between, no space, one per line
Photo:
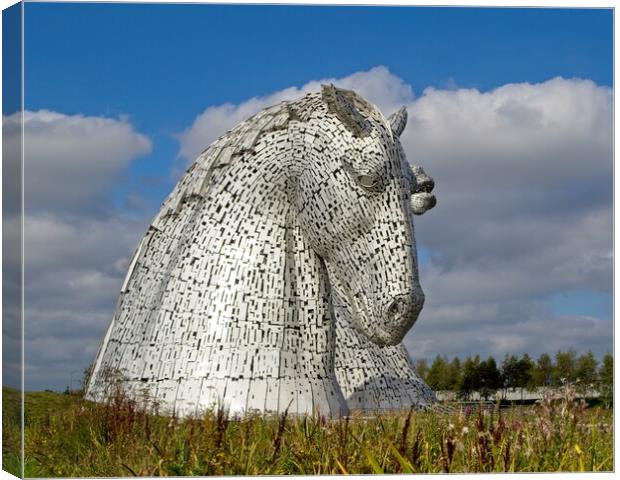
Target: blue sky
[162,64]
[153,80]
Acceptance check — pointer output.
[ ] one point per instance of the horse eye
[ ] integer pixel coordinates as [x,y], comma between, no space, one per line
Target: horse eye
[367,181]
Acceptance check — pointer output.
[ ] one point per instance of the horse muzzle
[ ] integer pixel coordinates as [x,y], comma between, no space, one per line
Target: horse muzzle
[398,318]
[421,202]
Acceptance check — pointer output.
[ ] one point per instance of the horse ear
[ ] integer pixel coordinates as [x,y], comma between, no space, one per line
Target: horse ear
[398,121]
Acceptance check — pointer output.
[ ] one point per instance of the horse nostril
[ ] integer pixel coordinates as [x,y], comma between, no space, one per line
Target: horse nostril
[423,183]
[426,185]
[396,307]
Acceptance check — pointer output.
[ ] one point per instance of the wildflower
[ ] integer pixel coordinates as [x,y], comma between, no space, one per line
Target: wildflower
[578,449]
[544,428]
[450,447]
[465,431]
[460,446]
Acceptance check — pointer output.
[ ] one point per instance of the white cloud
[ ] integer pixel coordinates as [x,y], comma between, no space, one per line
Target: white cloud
[524,200]
[377,85]
[53,243]
[459,332]
[74,269]
[524,188]
[76,247]
[526,135]
[70,159]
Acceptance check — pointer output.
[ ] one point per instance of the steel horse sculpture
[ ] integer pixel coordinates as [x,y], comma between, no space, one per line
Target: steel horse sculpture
[281,272]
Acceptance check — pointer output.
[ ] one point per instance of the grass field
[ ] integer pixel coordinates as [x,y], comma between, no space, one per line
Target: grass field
[67,436]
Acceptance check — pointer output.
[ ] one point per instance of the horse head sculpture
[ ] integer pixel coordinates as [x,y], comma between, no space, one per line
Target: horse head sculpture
[354,201]
[287,246]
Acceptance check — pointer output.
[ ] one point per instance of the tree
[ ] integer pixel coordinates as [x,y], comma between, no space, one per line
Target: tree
[517,373]
[532,380]
[525,365]
[421,368]
[510,371]
[606,378]
[489,378]
[565,366]
[586,372]
[438,374]
[543,371]
[454,374]
[470,377]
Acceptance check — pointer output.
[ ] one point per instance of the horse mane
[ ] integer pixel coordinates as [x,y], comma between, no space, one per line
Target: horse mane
[356,114]
[223,152]
[348,107]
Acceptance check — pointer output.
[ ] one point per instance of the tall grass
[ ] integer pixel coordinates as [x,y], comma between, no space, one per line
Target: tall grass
[74,437]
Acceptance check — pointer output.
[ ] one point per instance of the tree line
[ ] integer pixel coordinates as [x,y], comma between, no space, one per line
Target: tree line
[585,372]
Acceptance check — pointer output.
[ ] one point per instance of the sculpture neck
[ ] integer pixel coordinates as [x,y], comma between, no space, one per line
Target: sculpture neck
[225,281]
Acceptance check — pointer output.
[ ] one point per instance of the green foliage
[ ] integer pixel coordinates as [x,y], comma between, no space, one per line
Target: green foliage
[470,376]
[421,368]
[606,373]
[586,372]
[474,375]
[67,436]
[542,374]
[517,373]
[606,379]
[454,374]
[441,375]
[489,378]
[437,376]
[565,368]
[526,366]
[11,431]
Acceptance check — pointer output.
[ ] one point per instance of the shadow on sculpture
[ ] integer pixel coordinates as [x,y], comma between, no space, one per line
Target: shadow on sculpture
[281,272]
